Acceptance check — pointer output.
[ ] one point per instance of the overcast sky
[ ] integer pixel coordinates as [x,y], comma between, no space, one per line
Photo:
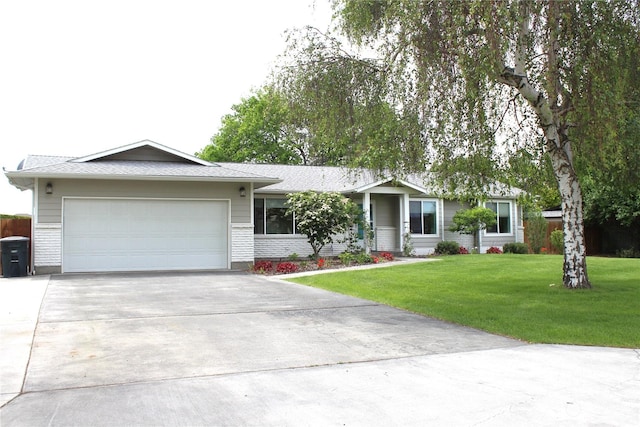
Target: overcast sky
[80,77]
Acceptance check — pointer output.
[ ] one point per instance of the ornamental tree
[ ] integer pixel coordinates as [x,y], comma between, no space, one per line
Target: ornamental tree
[322,216]
[472,221]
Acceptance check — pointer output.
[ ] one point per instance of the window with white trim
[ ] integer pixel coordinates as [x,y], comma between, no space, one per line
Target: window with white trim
[270,217]
[423,217]
[503,217]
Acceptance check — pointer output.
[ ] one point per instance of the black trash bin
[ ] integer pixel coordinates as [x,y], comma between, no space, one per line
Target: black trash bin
[15,256]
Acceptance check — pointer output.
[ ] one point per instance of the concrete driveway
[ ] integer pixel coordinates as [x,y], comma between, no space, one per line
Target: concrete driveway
[238,349]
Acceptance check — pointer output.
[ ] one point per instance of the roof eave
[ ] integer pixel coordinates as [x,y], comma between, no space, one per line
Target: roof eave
[15,176]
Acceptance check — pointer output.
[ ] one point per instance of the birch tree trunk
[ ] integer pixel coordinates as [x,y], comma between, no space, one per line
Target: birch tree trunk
[557,145]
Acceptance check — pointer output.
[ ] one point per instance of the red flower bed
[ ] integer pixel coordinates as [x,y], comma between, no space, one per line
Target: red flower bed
[494,250]
[286,267]
[263,266]
[463,251]
[387,255]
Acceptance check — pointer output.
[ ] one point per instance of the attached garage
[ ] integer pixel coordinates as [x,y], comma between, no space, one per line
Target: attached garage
[121,234]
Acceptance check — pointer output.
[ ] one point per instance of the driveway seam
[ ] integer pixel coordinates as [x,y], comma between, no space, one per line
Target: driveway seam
[225,313]
[258,371]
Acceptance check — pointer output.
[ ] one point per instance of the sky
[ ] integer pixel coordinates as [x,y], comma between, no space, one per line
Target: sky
[80,77]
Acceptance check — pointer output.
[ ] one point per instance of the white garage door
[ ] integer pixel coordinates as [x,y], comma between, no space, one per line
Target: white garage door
[144,234]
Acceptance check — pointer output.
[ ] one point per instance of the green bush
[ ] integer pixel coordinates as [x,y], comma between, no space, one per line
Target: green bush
[364,258]
[346,258]
[447,247]
[557,240]
[515,248]
[628,253]
[536,229]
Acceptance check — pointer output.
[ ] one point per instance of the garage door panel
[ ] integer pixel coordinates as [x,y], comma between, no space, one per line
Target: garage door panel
[139,234]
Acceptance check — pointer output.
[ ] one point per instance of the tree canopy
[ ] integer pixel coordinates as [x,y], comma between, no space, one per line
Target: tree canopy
[495,81]
[259,130]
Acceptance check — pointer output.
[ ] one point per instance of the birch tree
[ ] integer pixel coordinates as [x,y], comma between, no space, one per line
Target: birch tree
[494,79]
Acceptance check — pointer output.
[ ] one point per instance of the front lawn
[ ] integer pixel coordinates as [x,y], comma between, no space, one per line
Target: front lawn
[520,296]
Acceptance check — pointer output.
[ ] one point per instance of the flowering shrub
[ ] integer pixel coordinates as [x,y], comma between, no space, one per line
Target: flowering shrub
[262,266]
[387,256]
[543,250]
[286,267]
[375,259]
[321,262]
[463,251]
[494,250]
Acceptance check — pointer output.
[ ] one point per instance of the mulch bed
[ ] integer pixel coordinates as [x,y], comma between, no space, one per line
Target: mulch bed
[271,268]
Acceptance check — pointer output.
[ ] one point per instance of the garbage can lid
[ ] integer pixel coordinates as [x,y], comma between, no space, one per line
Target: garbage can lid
[13,238]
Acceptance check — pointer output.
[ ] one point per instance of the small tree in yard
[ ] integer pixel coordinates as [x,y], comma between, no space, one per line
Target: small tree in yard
[536,231]
[321,216]
[471,221]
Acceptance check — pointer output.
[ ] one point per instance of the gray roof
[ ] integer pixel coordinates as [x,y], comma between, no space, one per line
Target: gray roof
[68,167]
[303,178]
[267,178]
[119,168]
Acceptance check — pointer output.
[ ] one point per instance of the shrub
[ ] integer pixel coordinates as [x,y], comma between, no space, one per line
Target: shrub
[494,250]
[293,257]
[286,267]
[407,245]
[321,262]
[387,256]
[364,258]
[536,232]
[557,240]
[447,247]
[515,248]
[463,251]
[628,253]
[262,266]
[346,258]
[375,259]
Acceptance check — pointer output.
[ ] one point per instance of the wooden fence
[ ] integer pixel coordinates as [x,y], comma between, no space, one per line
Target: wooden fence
[592,235]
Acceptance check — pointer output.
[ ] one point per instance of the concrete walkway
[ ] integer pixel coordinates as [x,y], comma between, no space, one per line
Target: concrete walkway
[236,349]
[20,300]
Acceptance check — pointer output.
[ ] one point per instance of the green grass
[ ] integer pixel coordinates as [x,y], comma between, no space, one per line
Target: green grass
[520,296]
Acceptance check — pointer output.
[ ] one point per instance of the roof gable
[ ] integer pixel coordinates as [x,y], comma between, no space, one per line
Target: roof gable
[145,150]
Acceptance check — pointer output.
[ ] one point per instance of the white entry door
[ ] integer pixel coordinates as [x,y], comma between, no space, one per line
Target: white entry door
[144,234]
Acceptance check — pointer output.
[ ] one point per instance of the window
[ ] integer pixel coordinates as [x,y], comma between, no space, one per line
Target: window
[258,216]
[270,217]
[503,217]
[423,217]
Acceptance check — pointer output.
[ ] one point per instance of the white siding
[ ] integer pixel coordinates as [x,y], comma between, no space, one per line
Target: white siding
[47,244]
[281,246]
[242,243]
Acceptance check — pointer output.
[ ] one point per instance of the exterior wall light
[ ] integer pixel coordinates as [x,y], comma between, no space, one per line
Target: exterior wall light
[243,192]
[49,188]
